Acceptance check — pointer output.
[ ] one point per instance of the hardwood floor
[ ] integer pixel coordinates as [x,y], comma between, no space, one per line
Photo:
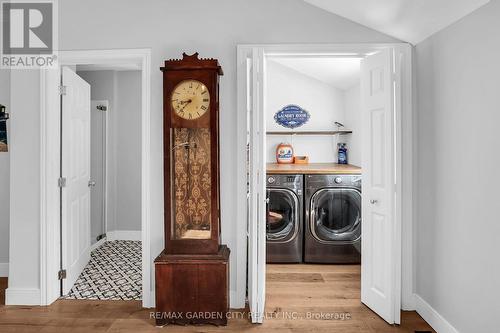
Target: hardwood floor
[327,289]
[293,291]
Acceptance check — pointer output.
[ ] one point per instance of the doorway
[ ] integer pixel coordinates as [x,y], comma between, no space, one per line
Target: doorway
[51,247]
[110,218]
[253,62]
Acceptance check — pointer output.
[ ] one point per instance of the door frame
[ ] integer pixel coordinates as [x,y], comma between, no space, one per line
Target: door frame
[50,156]
[105,167]
[404,152]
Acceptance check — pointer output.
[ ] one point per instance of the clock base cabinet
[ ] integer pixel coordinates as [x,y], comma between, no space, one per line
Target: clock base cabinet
[192,289]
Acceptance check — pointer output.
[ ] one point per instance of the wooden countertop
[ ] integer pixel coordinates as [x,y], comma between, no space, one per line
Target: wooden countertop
[312,168]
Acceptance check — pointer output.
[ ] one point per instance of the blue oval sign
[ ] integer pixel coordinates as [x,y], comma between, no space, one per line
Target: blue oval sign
[292,116]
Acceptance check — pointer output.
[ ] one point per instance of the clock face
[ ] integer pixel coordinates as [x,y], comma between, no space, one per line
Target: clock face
[190,99]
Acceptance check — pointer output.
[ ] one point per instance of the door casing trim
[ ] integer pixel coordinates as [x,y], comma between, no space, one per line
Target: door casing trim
[49,161]
[404,152]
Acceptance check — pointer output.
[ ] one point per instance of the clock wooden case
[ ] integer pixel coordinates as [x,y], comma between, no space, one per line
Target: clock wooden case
[192,272]
[191,155]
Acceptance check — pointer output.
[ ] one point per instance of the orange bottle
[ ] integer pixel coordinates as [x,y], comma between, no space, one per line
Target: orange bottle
[284,153]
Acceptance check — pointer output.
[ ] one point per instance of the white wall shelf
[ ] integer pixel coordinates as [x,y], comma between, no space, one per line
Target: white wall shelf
[341,132]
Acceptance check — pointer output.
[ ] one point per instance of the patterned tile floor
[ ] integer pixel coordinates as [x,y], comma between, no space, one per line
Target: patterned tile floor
[113,273]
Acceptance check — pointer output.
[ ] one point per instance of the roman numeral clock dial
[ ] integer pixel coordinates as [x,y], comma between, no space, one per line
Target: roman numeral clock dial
[190,99]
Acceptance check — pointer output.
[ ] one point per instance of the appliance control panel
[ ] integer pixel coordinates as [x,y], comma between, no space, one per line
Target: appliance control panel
[340,180]
[333,180]
[287,181]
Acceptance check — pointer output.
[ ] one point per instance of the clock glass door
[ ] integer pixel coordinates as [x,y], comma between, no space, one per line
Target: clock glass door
[191,181]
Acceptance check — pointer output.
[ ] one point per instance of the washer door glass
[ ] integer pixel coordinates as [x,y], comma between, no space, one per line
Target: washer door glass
[336,215]
[282,214]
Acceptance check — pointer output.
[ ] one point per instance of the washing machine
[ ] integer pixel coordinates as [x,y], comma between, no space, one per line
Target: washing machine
[332,219]
[284,230]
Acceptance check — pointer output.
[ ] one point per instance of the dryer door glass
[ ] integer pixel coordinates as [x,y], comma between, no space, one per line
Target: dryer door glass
[282,214]
[336,215]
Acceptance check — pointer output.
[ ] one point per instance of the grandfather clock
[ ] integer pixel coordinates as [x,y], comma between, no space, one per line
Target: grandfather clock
[192,271]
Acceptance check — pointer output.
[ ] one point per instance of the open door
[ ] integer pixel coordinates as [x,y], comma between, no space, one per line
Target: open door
[257,186]
[75,173]
[380,247]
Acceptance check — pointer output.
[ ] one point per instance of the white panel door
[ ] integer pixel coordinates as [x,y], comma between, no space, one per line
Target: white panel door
[257,186]
[379,249]
[98,128]
[76,169]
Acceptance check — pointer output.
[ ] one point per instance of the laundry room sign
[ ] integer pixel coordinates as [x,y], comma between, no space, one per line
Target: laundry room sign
[292,116]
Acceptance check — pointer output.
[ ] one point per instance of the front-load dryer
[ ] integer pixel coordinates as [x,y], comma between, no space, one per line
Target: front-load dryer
[333,219]
[284,231]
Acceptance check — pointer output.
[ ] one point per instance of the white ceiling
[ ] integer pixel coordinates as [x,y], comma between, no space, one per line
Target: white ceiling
[408,20]
[341,73]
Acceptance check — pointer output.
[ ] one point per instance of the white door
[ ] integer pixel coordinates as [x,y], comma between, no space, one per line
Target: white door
[257,186]
[380,249]
[76,169]
[98,129]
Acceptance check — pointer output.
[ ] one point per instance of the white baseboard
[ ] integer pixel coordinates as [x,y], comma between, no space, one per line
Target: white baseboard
[97,244]
[132,235]
[408,301]
[22,296]
[432,317]
[4,269]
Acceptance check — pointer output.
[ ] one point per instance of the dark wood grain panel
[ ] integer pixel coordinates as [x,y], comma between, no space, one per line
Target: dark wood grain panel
[210,286]
[184,288]
[3,286]
[193,284]
[163,298]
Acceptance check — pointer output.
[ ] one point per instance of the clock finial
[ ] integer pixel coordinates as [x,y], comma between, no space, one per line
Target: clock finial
[186,56]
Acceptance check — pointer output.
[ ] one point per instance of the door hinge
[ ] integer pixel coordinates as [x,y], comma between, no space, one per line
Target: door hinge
[62,90]
[61,275]
[61,182]
[101,108]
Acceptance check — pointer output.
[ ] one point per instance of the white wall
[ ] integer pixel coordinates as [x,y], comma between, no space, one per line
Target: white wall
[458,224]
[128,150]
[123,91]
[4,180]
[214,31]
[24,230]
[352,104]
[325,103]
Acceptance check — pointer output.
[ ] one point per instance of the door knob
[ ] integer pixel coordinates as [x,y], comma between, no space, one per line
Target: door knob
[373,201]
[91,183]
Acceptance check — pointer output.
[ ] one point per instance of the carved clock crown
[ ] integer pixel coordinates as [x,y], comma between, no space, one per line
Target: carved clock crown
[192,62]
